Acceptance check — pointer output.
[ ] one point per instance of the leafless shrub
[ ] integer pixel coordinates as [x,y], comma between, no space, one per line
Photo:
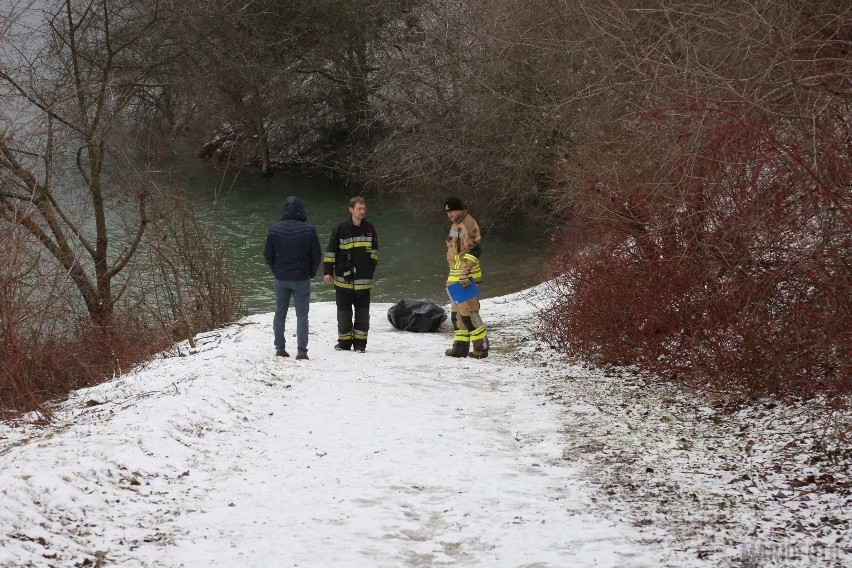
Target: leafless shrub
[715,181]
[48,344]
[192,288]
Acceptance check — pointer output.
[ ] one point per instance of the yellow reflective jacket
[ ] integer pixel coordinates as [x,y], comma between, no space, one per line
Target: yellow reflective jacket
[463,250]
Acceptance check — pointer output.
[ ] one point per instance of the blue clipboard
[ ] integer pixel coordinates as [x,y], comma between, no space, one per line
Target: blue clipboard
[459,293]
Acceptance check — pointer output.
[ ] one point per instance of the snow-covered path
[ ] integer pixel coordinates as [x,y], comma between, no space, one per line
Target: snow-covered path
[233,457]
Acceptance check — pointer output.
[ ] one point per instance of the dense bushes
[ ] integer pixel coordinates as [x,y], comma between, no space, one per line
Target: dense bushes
[48,343]
[729,264]
[712,196]
[37,368]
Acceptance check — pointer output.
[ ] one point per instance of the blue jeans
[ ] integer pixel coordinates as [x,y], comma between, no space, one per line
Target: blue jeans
[300,291]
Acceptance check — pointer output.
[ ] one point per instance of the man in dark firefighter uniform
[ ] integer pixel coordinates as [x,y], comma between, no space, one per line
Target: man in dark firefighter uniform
[349,263]
[463,251]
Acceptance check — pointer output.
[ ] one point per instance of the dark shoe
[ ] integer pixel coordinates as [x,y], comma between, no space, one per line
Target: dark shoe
[459,349]
[340,347]
[282,353]
[302,357]
[480,349]
[360,349]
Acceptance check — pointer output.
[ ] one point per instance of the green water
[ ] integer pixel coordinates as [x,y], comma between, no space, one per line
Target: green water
[411,243]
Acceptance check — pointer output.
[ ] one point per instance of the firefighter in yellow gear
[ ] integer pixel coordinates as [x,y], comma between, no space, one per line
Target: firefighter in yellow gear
[463,251]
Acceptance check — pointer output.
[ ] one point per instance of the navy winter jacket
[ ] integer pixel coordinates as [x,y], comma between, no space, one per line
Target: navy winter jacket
[292,246]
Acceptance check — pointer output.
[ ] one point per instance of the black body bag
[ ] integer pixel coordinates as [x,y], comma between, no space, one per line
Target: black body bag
[416,315]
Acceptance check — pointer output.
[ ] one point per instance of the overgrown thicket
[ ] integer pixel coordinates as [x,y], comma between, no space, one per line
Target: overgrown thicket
[189,286]
[283,83]
[48,343]
[480,107]
[713,198]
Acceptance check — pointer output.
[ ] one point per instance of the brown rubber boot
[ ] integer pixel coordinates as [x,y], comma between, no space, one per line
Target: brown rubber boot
[459,349]
[480,349]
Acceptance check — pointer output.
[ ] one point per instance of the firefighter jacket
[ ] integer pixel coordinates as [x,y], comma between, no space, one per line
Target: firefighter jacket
[463,250]
[351,255]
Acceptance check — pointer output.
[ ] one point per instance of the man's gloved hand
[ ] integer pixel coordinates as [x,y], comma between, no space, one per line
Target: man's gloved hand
[464,281]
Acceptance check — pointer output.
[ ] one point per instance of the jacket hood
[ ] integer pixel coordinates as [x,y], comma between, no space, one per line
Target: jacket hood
[293,210]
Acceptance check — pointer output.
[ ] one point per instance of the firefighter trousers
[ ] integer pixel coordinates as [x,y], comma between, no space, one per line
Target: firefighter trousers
[352,333]
[468,326]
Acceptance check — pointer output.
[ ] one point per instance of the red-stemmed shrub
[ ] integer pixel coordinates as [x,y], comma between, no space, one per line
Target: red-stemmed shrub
[47,346]
[729,263]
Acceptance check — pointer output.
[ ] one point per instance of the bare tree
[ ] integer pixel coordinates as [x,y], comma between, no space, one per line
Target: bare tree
[64,167]
[481,104]
[287,78]
[86,231]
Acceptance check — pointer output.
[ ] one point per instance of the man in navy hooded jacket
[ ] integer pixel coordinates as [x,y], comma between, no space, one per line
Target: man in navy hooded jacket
[293,254]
